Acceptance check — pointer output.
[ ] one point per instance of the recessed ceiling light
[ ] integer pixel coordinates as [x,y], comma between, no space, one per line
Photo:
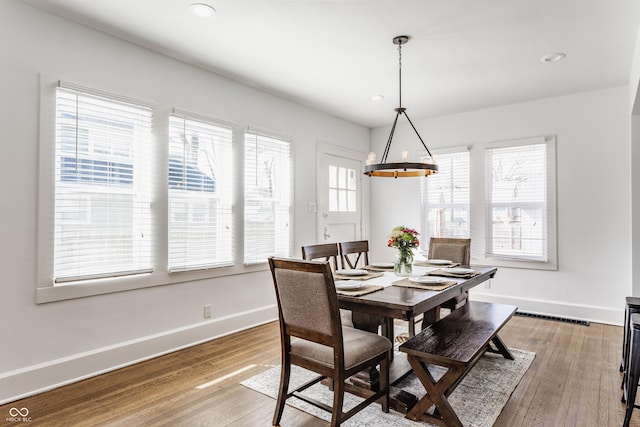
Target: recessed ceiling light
[553,57]
[376,98]
[202,9]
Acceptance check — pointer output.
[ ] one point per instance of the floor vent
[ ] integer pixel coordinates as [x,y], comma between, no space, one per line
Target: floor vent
[557,319]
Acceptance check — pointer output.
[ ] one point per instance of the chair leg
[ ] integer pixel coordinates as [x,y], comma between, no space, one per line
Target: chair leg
[625,340]
[633,375]
[285,374]
[384,383]
[338,401]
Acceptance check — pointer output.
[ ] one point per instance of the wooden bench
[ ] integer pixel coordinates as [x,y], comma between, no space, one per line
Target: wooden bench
[455,342]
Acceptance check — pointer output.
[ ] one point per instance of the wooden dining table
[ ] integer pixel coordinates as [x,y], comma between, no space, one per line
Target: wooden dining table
[405,303]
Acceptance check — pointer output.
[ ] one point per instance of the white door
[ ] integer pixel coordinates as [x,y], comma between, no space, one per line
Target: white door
[339,189]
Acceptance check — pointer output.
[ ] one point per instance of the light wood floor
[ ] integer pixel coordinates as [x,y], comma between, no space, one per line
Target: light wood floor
[573,381]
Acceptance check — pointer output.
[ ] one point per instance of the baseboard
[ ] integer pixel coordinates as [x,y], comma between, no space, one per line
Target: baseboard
[588,313]
[31,380]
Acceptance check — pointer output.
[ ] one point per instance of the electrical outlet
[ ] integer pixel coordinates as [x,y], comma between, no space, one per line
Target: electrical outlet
[207,311]
[487,284]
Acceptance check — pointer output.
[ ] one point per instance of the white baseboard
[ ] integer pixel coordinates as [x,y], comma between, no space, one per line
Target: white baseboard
[24,382]
[589,313]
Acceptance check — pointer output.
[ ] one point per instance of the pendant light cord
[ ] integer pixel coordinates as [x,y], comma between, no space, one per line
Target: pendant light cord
[400,75]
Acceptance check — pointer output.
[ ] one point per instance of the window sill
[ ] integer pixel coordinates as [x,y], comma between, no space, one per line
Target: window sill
[87,288]
[524,264]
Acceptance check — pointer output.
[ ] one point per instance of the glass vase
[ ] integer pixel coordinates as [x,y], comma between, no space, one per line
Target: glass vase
[403,265]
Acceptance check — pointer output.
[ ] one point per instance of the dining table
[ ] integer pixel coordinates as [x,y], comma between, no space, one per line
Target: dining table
[383,297]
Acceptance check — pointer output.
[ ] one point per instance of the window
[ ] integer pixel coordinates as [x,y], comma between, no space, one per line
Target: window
[520,200]
[102,208]
[445,198]
[267,186]
[200,193]
[342,189]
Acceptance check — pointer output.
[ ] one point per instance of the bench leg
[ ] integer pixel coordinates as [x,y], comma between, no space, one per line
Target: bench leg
[502,349]
[436,394]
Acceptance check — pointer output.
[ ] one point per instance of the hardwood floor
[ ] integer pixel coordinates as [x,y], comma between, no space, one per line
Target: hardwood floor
[573,381]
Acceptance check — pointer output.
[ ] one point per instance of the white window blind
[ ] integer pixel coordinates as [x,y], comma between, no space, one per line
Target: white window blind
[267,196]
[200,193]
[518,179]
[445,198]
[102,210]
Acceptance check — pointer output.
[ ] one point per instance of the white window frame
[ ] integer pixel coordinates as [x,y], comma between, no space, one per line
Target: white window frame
[425,206]
[159,276]
[193,257]
[549,260]
[283,187]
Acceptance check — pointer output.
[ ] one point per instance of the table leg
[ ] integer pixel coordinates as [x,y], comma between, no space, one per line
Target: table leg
[437,392]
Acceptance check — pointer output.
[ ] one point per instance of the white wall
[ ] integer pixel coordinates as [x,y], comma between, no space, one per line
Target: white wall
[594,199]
[44,345]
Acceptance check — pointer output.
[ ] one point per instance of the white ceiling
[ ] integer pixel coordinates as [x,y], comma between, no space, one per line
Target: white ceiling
[332,55]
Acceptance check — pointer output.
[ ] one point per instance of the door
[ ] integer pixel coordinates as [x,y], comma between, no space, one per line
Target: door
[339,189]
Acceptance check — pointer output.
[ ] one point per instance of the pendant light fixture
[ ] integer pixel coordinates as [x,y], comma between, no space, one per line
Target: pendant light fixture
[403,168]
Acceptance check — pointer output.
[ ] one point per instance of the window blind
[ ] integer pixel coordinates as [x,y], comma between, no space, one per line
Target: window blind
[200,194]
[267,197]
[517,202]
[102,212]
[445,198]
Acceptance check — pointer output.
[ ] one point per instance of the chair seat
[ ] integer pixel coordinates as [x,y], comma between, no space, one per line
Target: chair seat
[359,346]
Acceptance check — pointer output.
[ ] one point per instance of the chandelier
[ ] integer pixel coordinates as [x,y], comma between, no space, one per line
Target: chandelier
[403,168]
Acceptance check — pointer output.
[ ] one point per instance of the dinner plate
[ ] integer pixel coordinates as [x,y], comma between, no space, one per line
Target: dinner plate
[347,285]
[430,280]
[382,264]
[354,272]
[439,261]
[458,270]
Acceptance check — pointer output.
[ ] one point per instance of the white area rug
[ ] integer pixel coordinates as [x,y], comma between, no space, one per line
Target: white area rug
[478,399]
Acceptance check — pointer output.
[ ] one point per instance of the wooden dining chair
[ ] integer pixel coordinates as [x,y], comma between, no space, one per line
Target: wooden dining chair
[455,250]
[354,254]
[327,252]
[312,337]
[324,251]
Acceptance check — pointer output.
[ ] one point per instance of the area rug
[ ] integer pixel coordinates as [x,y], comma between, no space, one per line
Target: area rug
[478,399]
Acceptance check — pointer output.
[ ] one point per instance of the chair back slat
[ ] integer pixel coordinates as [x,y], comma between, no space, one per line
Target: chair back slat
[453,249]
[354,254]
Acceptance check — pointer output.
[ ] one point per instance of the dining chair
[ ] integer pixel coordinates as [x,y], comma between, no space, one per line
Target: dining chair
[327,252]
[354,254]
[324,251]
[313,338]
[455,250]
[632,374]
[632,306]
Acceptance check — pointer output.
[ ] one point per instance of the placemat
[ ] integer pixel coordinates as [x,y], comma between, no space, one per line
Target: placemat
[406,283]
[367,289]
[426,263]
[440,272]
[363,277]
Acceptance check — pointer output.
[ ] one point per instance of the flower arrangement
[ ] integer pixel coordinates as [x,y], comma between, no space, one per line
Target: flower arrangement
[404,239]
